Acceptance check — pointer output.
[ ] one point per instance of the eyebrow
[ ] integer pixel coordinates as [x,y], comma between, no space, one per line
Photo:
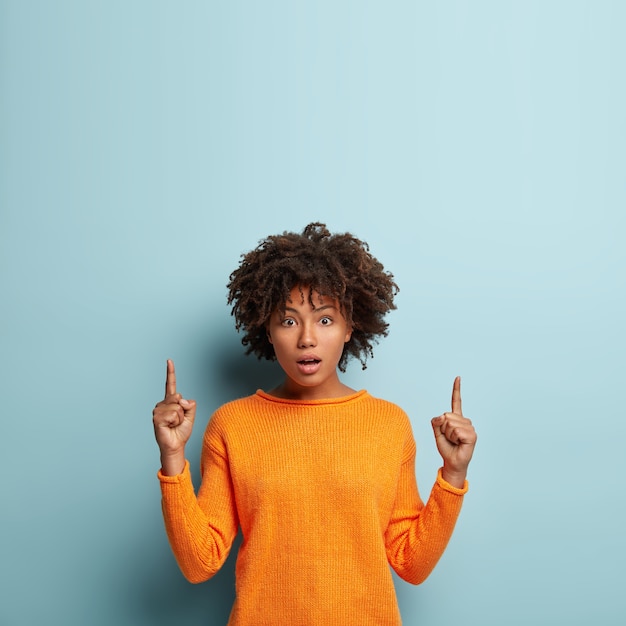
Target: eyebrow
[315,310]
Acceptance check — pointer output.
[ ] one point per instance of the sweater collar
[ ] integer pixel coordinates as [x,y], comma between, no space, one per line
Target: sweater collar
[320,402]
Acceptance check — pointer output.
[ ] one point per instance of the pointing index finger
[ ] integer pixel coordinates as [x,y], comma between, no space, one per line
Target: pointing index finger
[456,396]
[170,379]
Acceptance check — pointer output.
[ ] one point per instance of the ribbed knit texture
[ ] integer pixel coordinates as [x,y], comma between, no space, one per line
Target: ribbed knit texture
[326,497]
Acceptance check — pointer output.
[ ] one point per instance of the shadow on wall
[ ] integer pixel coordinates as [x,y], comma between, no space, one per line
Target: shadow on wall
[239,375]
[165,597]
[168,599]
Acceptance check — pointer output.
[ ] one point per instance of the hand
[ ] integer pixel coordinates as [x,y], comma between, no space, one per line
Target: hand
[173,422]
[456,438]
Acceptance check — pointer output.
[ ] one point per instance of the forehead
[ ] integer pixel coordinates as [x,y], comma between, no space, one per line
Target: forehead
[304,295]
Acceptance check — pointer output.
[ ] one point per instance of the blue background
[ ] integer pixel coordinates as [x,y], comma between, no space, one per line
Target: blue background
[479,147]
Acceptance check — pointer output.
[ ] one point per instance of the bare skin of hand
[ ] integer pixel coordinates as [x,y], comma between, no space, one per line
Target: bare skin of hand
[456,438]
[173,422]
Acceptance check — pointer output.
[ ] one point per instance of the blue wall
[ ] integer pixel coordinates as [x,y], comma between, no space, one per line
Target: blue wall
[480,147]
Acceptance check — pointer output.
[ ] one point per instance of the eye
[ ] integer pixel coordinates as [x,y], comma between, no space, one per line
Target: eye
[326,321]
[288,322]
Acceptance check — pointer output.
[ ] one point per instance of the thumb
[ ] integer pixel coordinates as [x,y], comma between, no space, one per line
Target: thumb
[189,407]
[436,423]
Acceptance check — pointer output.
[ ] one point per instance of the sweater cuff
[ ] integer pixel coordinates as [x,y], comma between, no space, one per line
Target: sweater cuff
[178,478]
[448,487]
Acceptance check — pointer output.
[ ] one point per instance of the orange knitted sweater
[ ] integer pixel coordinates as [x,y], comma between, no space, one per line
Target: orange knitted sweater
[325,495]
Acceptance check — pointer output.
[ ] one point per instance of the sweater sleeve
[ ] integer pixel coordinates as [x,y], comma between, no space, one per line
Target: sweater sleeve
[418,533]
[200,529]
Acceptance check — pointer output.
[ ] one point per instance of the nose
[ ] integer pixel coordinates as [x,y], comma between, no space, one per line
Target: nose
[307,337]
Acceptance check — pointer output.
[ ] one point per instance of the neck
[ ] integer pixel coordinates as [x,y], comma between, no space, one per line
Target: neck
[289,390]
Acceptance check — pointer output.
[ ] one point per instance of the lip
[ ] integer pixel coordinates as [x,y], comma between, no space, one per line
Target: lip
[309,364]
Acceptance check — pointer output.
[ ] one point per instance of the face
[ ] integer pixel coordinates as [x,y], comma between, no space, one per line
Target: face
[308,342]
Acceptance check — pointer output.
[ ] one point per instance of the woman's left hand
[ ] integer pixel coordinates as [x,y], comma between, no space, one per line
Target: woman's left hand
[456,438]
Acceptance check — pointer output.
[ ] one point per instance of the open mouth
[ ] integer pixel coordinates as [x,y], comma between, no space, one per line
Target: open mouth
[309,366]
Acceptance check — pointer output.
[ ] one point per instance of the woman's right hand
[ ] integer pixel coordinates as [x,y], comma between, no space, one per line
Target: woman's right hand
[173,422]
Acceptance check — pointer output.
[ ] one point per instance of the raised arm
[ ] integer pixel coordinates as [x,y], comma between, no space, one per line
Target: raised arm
[418,534]
[200,528]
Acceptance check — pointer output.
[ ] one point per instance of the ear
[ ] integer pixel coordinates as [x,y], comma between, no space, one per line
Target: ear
[348,335]
[269,335]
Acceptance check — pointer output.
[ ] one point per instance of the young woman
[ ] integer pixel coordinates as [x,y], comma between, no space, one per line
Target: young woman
[319,477]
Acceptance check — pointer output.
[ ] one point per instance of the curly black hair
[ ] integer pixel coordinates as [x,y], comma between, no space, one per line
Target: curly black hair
[338,266]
